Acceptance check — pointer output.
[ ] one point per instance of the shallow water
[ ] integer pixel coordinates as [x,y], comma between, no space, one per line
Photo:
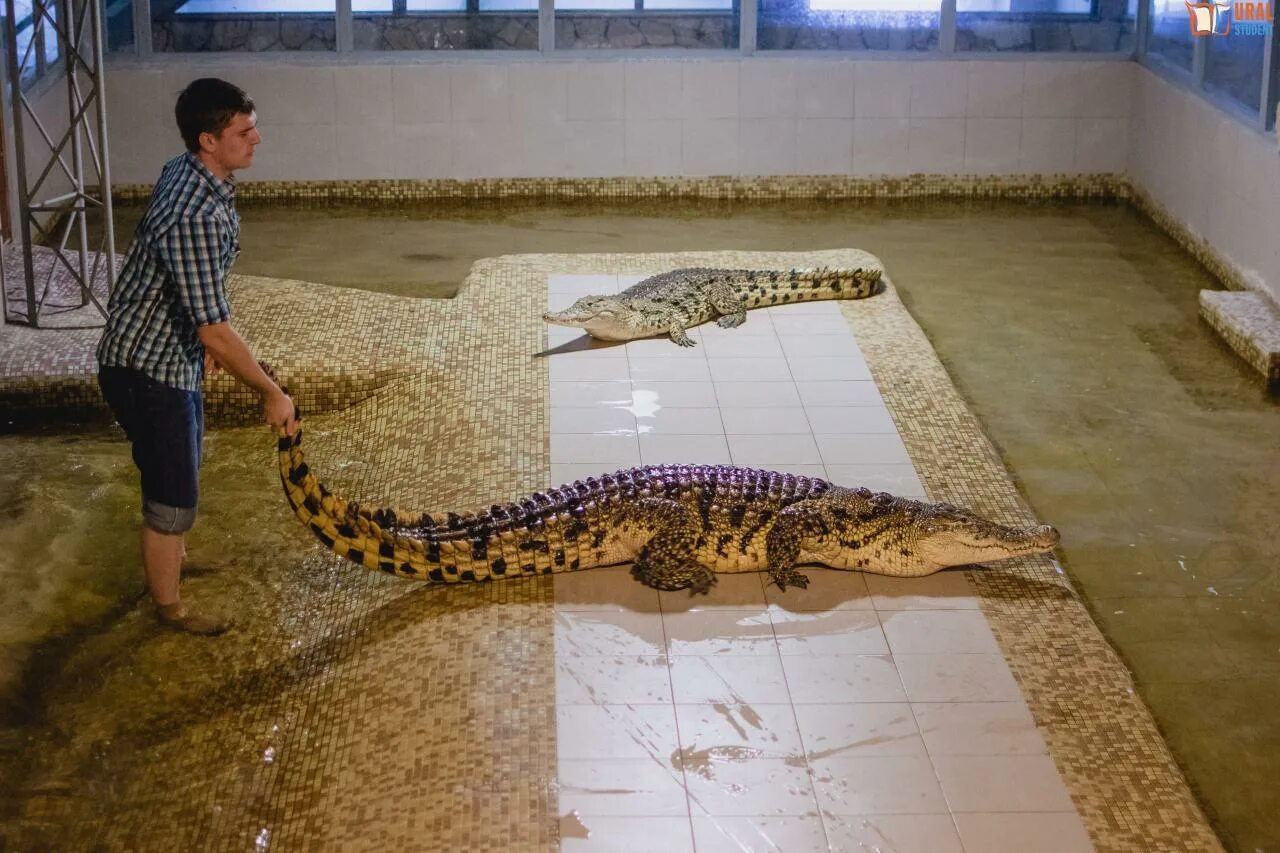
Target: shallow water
[1072,330]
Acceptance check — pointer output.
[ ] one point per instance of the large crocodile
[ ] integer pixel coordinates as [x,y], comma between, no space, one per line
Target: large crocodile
[673,302]
[677,525]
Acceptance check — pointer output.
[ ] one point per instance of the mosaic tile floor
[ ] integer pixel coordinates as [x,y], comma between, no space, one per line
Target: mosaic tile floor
[985,706]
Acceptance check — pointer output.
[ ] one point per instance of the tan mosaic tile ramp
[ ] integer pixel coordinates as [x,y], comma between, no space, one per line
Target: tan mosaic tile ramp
[418,718]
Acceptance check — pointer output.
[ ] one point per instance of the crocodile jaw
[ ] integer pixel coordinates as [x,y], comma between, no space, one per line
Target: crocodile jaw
[605,328]
[568,317]
[963,547]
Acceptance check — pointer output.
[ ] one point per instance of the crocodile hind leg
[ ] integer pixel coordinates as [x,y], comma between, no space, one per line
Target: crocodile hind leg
[731,306]
[668,560]
[795,524]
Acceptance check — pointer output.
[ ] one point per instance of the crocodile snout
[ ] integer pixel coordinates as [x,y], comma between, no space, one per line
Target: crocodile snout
[1046,536]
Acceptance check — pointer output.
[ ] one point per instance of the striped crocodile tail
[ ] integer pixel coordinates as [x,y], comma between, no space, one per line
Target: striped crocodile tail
[805,285]
[351,531]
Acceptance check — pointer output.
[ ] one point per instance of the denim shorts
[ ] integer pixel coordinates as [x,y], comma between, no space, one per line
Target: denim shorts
[165,425]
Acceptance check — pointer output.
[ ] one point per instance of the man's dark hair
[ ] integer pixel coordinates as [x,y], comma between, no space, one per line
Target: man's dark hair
[208,105]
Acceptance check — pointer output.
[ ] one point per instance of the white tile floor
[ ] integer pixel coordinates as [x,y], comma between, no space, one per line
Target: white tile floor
[863,713]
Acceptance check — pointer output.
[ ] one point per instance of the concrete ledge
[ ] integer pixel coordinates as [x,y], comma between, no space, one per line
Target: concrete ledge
[1250,323]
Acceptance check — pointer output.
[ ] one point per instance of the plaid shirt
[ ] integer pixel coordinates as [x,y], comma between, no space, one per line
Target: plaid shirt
[174,276]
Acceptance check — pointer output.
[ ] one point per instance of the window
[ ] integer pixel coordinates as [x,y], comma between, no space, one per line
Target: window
[646,24]
[641,5]
[244,25]
[1063,26]
[873,5]
[117,19]
[692,5]
[1027,7]
[900,25]
[1169,32]
[1228,65]
[1233,65]
[446,25]
[37,39]
[263,7]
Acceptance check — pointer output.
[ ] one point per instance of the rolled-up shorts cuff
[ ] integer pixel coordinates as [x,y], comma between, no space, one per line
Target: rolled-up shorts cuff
[163,518]
[165,425]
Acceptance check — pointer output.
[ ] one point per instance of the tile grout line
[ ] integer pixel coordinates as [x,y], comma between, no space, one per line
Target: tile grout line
[880,623]
[804,752]
[671,687]
[635,419]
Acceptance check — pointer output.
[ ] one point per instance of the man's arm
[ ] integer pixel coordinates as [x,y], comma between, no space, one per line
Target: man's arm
[229,350]
[190,251]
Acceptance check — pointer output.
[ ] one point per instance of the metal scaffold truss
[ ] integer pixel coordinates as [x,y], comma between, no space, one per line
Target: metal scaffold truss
[64,283]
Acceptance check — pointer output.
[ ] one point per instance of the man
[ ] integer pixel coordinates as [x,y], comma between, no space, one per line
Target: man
[169,323]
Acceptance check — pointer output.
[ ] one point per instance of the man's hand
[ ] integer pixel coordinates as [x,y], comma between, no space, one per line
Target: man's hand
[279,412]
[211,366]
[230,352]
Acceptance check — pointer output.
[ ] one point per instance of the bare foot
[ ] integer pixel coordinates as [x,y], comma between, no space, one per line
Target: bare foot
[179,618]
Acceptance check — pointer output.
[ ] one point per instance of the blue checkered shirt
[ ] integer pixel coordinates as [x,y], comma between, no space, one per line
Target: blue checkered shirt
[174,276]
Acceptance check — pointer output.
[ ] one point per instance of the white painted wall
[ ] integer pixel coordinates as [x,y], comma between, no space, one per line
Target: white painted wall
[1216,176]
[645,117]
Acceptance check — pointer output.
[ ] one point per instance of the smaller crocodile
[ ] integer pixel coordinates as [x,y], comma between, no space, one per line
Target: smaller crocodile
[674,302]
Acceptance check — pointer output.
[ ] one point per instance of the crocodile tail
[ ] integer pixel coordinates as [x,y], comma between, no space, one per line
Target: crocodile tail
[810,284]
[355,533]
[837,282]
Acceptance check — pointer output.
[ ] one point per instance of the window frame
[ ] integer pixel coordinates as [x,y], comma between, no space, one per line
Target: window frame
[1262,119]
[42,31]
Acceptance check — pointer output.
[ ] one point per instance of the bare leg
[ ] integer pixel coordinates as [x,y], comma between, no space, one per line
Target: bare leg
[162,561]
[162,555]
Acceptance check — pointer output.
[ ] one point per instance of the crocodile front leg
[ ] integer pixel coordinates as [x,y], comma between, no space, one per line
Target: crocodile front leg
[785,539]
[678,334]
[667,561]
